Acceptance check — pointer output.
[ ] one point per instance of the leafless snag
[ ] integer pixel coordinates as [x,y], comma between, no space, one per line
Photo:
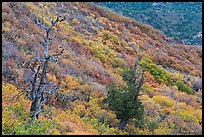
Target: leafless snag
[137,77]
[38,92]
[134,69]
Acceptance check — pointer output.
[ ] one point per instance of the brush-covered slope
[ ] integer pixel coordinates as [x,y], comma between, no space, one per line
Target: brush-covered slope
[99,45]
[181,20]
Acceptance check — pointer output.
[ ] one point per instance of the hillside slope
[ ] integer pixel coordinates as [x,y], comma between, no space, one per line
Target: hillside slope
[98,46]
[181,20]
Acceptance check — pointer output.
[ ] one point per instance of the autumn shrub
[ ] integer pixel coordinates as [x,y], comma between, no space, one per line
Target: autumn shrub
[183,87]
[103,121]
[75,22]
[147,89]
[110,36]
[108,56]
[188,115]
[9,122]
[164,101]
[160,74]
[15,119]
[102,128]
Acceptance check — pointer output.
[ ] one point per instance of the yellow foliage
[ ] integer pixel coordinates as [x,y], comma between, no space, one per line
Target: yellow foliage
[147,89]
[79,109]
[188,116]
[75,8]
[86,88]
[162,131]
[13,111]
[199,115]
[55,131]
[75,22]
[177,76]
[71,121]
[8,91]
[144,98]
[6,26]
[70,82]
[164,101]
[51,77]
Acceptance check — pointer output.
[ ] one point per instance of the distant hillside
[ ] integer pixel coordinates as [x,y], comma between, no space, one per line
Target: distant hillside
[100,48]
[181,20]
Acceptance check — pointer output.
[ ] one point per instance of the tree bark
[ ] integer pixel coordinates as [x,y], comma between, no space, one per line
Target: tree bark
[134,71]
[37,100]
[122,124]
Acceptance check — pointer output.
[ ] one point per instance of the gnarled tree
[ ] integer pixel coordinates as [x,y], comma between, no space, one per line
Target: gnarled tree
[39,89]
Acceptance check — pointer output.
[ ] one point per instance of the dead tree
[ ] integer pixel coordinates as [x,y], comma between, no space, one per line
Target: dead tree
[137,77]
[38,92]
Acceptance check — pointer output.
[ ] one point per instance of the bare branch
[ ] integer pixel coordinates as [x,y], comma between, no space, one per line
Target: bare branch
[57,54]
[49,71]
[49,18]
[27,91]
[25,63]
[31,83]
[29,97]
[40,24]
[55,58]
[32,69]
[38,59]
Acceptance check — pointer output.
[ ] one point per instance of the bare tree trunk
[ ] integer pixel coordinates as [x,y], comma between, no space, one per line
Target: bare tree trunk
[141,82]
[38,97]
[134,70]
[137,59]
[122,124]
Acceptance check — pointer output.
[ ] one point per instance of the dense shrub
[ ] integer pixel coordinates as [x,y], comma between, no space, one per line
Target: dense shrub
[159,73]
[152,125]
[183,87]
[34,128]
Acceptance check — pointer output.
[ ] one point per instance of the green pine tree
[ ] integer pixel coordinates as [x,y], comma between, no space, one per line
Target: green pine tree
[124,100]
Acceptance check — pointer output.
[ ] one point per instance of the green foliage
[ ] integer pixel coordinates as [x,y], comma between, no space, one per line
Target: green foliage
[127,75]
[101,127]
[19,111]
[160,74]
[183,87]
[108,56]
[23,48]
[152,125]
[108,35]
[123,102]
[34,128]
